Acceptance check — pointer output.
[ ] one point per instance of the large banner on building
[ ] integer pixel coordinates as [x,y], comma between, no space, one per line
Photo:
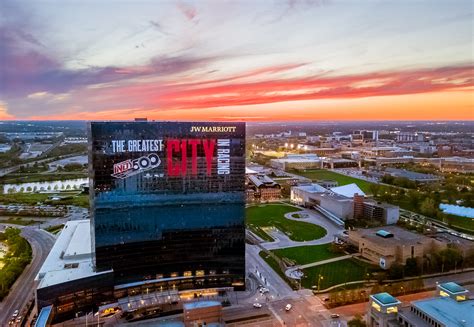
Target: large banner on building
[156,184]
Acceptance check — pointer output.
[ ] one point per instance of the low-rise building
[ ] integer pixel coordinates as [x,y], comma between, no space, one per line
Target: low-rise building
[263,188]
[450,307]
[411,175]
[391,245]
[203,313]
[297,161]
[367,209]
[301,194]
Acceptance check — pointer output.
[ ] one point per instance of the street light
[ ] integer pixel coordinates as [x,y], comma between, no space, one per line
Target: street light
[320,277]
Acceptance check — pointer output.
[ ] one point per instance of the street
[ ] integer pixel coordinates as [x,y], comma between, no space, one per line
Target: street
[23,289]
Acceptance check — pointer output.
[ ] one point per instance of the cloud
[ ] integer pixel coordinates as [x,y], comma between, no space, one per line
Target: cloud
[187,10]
[4,115]
[167,98]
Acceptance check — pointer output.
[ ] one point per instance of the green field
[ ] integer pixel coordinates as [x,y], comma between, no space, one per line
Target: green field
[307,254]
[319,174]
[334,273]
[262,216]
[461,222]
[274,265]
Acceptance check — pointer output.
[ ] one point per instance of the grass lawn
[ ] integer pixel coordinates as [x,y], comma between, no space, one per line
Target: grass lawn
[461,222]
[334,273]
[18,221]
[307,254]
[273,215]
[272,263]
[318,174]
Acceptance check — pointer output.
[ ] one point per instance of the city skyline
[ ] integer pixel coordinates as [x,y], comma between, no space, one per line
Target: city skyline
[289,60]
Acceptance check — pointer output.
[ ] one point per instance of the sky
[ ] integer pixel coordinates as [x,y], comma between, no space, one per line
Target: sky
[237,60]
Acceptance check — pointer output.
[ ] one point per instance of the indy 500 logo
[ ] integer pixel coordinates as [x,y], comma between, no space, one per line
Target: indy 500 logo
[130,167]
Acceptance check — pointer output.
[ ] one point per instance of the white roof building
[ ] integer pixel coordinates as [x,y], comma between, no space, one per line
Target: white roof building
[348,190]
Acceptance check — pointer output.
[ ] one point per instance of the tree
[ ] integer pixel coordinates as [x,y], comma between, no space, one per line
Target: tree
[374,189]
[357,321]
[411,267]
[428,207]
[396,271]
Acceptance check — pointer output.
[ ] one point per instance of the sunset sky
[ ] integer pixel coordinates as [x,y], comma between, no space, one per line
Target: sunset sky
[237,60]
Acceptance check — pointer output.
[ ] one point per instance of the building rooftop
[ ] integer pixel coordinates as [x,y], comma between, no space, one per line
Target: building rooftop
[453,288]
[43,316]
[262,180]
[348,190]
[384,233]
[400,236]
[448,311]
[71,256]
[200,304]
[411,175]
[312,188]
[385,299]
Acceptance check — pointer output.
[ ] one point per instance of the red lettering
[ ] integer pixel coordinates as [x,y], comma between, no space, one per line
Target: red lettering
[184,160]
[194,143]
[209,146]
[172,145]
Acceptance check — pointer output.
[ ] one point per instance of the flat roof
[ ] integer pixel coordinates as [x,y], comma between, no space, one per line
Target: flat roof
[448,311]
[453,288]
[400,236]
[80,243]
[71,256]
[200,304]
[311,188]
[43,316]
[385,299]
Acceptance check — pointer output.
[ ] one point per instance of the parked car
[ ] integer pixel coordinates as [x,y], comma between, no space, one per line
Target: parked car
[257,305]
[288,307]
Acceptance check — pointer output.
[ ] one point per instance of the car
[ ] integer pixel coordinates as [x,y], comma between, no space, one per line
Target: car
[264,290]
[18,320]
[257,305]
[288,307]
[15,313]
[334,316]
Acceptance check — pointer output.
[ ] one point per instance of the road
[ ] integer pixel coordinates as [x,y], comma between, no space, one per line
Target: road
[22,290]
[8,170]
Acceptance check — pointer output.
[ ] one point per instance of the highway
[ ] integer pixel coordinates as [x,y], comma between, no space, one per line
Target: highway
[22,290]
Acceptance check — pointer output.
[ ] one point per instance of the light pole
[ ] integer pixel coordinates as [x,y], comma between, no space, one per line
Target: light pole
[320,277]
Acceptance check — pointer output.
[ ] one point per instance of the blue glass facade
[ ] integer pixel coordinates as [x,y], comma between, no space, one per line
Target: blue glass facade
[168,200]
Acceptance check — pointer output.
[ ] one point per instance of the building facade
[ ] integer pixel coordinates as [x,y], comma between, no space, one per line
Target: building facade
[168,200]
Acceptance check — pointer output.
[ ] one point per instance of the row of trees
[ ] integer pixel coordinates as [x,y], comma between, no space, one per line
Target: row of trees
[436,261]
[56,187]
[344,297]
[17,258]
[398,181]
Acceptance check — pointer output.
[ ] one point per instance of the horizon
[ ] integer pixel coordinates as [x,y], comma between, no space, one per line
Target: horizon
[285,61]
